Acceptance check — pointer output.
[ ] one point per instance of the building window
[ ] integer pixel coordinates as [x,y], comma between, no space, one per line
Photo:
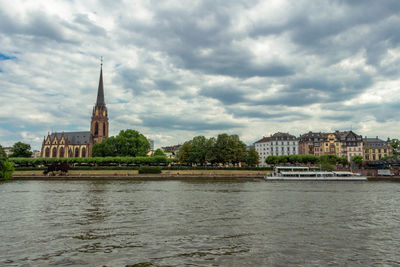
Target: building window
[83,152]
[70,153]
[77,152]
[61,152]
[96,129]
[47,152]
[54,153]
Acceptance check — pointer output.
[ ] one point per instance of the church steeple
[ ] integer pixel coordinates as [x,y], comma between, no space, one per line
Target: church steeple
[100,90]
[99,124]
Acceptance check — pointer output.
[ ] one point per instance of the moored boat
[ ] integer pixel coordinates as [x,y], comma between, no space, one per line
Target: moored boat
[305,174]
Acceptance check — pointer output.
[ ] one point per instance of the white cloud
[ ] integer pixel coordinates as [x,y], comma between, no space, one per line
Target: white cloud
[174,70]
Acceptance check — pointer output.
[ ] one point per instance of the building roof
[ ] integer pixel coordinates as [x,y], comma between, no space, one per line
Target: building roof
[172,148]
[375,142]
[262,140]
[74,138]
[100,91]
[311,136]
[348,136]
[277,137]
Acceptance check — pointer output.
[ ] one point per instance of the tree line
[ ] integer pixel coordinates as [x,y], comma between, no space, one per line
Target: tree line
[6,167]
[223,149]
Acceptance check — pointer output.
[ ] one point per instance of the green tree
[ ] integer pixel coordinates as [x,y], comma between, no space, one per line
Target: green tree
[159,152]
[328,158]
[128,143]
[199,150]
[272,160]
[2,152]
[326,166]
[6,169]
[343,161]
[229,149]
[211,154]
[221,148]
[395,143]
[107,148]
[184,152]
[226,148]
[358,160]
[237,148]
[21,150]
[252,158]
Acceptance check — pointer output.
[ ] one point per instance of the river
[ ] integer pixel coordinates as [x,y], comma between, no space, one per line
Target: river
[176,223]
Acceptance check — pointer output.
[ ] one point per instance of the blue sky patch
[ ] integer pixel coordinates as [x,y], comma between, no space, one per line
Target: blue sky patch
[5,57]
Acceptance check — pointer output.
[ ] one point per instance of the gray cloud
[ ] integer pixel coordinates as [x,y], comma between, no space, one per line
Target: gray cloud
[186,124]
[206,66]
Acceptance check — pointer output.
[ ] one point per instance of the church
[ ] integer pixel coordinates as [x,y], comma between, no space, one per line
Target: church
[80,144]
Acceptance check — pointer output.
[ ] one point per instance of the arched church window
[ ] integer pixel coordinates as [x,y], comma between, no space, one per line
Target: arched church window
[70,153]
[54,153]
[96,128]
[61,152]
[83,152]
[47,152]
[104,129]
[77,152]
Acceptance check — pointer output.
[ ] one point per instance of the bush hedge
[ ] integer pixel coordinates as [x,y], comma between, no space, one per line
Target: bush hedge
[6,169]
[144,170]
[94,161]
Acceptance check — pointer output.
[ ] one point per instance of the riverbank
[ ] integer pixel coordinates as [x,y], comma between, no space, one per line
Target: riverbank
[135,172]
[143,177]
[211,175]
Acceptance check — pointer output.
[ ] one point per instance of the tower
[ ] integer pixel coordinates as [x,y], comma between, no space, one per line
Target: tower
[99,124]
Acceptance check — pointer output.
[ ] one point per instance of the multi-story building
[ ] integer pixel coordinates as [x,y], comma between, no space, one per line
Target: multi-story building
[36,154]
[376,149]
[7,150]
[351,144]
[276,145]
[172,151]
[311,143]
[151,141]
[342,144]
[332,144]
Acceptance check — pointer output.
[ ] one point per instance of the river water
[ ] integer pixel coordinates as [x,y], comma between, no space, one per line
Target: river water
[174,223]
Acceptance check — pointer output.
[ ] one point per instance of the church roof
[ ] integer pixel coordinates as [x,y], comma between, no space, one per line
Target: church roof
[74,138]
[100,91]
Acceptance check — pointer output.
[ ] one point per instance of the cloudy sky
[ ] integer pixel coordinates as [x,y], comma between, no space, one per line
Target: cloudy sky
[177,69]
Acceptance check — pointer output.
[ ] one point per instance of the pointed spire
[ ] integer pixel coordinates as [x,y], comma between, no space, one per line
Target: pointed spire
[100,91]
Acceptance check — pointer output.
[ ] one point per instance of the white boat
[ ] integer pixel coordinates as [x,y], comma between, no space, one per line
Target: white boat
[305,174]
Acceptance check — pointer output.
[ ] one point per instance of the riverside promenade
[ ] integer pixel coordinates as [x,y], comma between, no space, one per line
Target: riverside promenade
[199,175]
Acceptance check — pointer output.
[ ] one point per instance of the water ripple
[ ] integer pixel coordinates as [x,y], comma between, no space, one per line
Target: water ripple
[172,223]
